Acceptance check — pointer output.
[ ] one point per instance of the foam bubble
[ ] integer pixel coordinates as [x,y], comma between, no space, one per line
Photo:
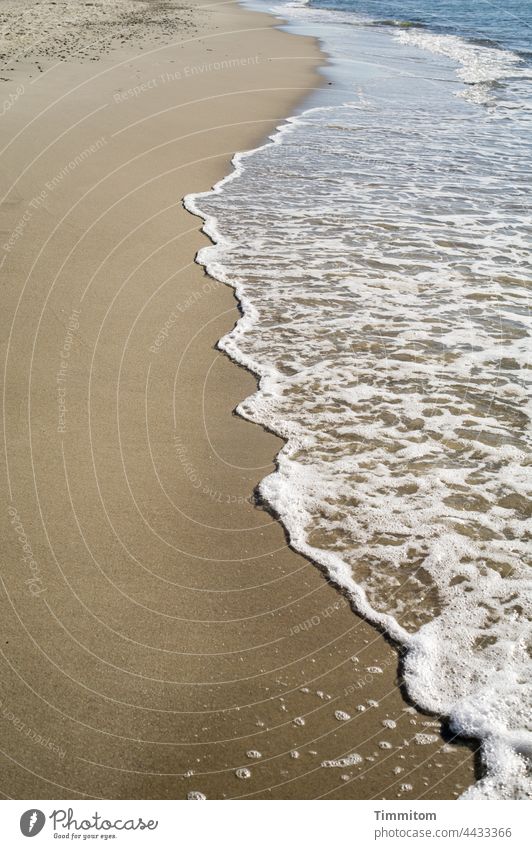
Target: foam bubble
[243,773]
[425,739]
[349,760]
[341,715]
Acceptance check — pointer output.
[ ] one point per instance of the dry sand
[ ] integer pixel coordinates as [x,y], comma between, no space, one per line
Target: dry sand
[157,632]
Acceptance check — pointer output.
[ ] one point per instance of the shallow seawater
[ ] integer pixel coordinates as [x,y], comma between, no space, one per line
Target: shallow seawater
[380,248]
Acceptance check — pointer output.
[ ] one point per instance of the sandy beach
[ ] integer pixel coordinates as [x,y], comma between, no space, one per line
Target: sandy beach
[159,637]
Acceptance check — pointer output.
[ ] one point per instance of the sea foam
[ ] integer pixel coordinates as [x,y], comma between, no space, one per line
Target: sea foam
[380,260]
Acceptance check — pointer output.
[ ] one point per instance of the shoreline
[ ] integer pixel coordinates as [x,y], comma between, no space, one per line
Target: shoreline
[175,636]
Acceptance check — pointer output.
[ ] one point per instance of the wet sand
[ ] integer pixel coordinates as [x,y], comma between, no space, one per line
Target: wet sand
[157,633]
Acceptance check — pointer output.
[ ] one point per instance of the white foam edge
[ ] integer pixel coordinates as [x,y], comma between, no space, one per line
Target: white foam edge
[502,754]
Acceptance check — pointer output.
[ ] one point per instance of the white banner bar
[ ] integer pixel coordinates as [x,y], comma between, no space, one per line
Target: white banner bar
[265,824]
